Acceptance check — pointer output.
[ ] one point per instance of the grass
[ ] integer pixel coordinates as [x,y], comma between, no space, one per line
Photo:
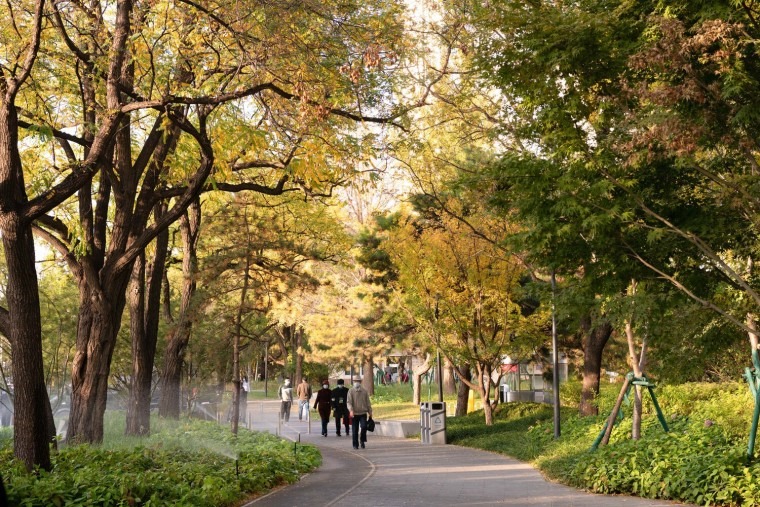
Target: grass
[394,402]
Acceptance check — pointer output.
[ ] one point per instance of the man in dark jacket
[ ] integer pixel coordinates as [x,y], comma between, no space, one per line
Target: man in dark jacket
[339,396]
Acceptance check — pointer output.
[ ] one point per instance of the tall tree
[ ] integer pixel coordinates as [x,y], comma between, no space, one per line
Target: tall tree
[31,442]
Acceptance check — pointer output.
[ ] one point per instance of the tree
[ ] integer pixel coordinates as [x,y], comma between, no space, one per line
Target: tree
[263,250]
[466,293]
[33,413]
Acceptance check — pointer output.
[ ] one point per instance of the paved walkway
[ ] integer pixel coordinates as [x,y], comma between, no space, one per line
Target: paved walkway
[401,472]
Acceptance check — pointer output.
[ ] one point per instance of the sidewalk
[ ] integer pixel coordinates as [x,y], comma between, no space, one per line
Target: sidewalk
[401,472]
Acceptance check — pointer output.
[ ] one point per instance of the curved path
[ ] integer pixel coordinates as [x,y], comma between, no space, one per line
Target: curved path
[402,472]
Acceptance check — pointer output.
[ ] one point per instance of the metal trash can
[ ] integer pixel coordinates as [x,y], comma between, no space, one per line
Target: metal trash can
[503,393]
[433,422]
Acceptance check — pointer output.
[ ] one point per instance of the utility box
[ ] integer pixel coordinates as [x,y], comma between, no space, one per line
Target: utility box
[433,422]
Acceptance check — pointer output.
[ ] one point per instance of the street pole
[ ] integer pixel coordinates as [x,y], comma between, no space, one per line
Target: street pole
[266,363]
[438,353]
[555,361]
[440,376]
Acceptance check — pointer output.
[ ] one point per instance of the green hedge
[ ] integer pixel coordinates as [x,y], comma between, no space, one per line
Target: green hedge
[700,461]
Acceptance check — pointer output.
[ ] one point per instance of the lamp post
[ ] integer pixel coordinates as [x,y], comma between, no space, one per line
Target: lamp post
[266,364]
[439,371]
[555,362]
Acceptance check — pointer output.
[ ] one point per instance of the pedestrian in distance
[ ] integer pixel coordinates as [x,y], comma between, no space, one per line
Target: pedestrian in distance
[285,393]
[340,409]
[322,404]
[244,388]
[303,391]
[359,408]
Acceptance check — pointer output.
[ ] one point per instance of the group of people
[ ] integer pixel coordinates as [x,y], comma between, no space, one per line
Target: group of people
[350,407]
[387,376]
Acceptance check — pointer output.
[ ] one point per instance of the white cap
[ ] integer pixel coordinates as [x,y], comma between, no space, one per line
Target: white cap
[287,381]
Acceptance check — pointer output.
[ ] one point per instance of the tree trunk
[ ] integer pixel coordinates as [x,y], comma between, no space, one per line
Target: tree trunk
[179,336]
[594,342]
[368,380]
[463,393]
[637,363]
[99,320]
[284,339]
[236,348]
[144,313]
[31,444]
[449,385]
[484,389]
[754,339]
[172,373]
[417,379]
[138,415]
[481,385]
[297,347]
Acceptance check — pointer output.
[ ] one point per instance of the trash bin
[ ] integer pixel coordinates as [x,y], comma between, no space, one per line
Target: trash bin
[503,390]
[433,422]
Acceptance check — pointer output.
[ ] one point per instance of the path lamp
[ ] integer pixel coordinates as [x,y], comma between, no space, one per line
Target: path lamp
[266,364]
[438,372]
[555,361]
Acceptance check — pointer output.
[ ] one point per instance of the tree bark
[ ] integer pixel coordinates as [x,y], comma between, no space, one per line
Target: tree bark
[145,316]
[284,333]
[638,365]
[236,348]
[32,405]
[417,379]
[31,437]
[463,393]
[481,385]
[297,347]
[449,385]
[138,422]
[179,336]
[368,380]
[596,337]
[484,389]
[99,319]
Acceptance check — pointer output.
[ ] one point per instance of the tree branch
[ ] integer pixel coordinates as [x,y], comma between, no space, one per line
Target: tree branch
[685,290]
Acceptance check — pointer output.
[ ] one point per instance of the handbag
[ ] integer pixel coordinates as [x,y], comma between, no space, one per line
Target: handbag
[370,424]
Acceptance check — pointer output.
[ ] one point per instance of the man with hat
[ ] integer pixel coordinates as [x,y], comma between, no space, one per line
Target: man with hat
[285,393]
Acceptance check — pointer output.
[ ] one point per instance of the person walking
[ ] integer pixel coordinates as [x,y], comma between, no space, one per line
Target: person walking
[340,409]
[285,393]
[359,408]
[303,391]
[244,388]
[323,403]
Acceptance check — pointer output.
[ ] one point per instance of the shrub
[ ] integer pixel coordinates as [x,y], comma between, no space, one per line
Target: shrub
[695,462]
[186,464]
